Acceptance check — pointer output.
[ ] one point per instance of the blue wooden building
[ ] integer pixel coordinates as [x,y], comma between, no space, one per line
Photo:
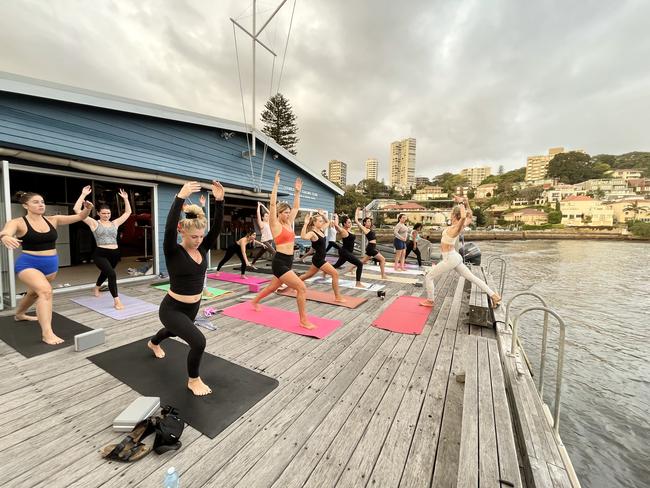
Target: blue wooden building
[55,139]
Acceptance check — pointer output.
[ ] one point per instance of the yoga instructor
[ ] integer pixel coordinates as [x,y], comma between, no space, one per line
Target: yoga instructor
[186,265]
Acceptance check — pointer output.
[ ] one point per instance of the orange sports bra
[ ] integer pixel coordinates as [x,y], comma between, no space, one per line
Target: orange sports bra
[285,236]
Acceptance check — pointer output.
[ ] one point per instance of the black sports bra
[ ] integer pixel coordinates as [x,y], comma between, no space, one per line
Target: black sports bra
[371,235]
[39,241]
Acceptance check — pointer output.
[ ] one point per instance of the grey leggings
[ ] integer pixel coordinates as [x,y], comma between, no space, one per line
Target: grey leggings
[452,260]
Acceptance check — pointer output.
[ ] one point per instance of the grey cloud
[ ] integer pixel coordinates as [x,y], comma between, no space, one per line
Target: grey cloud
[475,82]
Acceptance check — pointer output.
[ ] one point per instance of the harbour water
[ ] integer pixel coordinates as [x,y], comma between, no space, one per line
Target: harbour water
[602,290]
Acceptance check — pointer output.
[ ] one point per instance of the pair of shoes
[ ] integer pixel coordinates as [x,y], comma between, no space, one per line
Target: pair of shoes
[131,448]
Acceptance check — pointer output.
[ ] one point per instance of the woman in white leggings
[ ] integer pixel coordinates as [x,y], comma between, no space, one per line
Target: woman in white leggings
[452,260]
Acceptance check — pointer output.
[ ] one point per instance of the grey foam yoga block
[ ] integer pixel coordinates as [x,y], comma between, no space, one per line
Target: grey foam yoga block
[89,339]
[140,409]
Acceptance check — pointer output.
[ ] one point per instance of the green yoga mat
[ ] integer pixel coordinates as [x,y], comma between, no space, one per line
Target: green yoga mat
[215,291]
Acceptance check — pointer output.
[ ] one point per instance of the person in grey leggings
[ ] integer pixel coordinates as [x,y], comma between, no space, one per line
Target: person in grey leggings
[451,259]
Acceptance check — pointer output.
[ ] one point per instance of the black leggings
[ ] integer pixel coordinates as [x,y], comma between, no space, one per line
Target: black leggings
[259,252]
[418,254]
[178,320]
[106,260]
[332,244]
[230,252]
[345,255]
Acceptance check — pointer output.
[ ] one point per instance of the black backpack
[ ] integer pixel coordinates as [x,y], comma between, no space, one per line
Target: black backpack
[169,427]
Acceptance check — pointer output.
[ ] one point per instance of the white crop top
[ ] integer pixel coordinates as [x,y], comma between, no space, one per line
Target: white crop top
[445,239]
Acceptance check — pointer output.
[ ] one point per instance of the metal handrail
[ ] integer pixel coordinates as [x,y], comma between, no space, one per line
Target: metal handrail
[502,271]
[542,361]
[560,357]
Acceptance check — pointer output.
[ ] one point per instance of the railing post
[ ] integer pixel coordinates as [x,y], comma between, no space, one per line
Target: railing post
[502,271]
[560,362]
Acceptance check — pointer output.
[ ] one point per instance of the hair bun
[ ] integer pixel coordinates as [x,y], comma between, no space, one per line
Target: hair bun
[190,215]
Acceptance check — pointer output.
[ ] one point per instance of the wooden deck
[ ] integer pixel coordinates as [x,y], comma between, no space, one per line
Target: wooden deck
[363,407]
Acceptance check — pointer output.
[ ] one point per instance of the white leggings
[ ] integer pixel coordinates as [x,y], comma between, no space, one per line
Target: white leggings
[452,260]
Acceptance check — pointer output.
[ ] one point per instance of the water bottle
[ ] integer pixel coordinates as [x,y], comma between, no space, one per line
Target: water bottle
[171,479]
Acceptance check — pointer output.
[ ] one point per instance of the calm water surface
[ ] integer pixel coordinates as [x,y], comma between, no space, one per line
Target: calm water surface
[602,290]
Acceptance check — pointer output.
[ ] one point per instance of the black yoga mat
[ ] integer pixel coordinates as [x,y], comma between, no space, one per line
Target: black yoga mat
[235,389]
[25,336]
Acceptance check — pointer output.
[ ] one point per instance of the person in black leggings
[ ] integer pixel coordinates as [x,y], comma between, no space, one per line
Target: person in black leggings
[239,248]
[412,244]
[371,251]
[186,265]
[313,230]
[107,253]
[346,251]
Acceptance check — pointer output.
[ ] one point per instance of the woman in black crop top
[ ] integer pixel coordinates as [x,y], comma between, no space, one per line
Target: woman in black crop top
[371,248]
[186,265]
[313,230]
[346,251]
[38,264]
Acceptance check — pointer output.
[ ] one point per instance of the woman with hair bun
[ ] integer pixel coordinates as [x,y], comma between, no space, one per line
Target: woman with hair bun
[38,264]
[238,248]
[107,254]
[186,265]
[371,251]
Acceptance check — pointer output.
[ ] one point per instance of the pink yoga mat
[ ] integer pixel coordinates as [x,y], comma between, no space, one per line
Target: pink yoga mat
[235,278]
[326,297]
[404,315]
[278,318]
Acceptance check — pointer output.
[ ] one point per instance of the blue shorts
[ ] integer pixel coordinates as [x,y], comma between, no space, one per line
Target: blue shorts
[399,244]
[45,264]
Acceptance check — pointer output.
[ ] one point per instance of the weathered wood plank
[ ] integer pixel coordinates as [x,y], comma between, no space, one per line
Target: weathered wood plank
[468,471]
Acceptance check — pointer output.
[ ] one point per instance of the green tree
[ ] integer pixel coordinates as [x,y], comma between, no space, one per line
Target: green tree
[350,200]
[572,167]
[501,170]
[280,122]
[554,217]
[480,216]
[449,181]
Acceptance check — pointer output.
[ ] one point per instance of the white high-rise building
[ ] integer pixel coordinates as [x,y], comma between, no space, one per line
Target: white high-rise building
[337,172]
[402,164]
[372,169]
[476,175]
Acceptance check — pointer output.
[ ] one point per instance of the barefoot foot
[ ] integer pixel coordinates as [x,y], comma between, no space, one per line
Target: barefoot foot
[359,285]
[307,325]
[118,304]
[52,339]
[496,300]
[198,387]
[426,303]
[255,305]
[339,299]
[96,291]
[157,350]
[24,316]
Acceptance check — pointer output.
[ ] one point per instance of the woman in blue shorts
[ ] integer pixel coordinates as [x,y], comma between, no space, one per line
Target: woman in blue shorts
[38,264]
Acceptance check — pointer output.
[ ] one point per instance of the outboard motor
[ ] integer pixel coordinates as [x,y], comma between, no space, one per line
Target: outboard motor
[471,253]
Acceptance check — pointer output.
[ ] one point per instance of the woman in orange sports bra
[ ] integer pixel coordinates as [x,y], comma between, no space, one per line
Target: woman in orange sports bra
[281,218]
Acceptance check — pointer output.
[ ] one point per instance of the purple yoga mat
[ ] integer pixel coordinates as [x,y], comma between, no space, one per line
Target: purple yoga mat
[104,305]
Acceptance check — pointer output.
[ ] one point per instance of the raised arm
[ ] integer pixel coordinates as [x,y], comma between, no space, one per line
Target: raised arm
[219,194]
[357,216]
[297,187]
[260,222]
[457,229]
[85,191]
[71,219]
[304,233]
[171,225]
[335,223]
[127,209]
[8,235]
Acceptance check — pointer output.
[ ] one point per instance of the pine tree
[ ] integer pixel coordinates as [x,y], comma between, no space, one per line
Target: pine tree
[280,122]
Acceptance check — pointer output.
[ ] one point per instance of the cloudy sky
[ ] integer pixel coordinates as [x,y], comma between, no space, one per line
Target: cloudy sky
[474,81]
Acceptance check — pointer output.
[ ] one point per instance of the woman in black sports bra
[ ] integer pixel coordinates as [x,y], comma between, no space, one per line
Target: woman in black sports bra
[371,247]
[38,264]
[346,251]
[313,230]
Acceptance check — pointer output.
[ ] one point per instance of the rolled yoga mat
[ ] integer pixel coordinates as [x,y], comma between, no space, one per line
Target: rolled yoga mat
[104,304]
[235,389]
[25,336]
[285,320]
[215,291]
[325,297]
[404,315]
